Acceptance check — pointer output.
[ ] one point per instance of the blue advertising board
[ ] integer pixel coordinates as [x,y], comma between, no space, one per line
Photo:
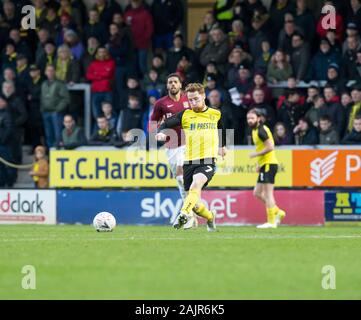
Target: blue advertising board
[343,205]
[136,207]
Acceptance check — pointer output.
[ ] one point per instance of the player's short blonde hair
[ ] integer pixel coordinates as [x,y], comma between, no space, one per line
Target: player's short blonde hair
[195,87]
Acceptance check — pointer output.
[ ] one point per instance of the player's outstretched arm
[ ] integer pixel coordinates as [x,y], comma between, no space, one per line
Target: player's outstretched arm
[172,122]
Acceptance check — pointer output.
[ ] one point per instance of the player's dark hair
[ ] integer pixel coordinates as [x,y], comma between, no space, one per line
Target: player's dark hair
[357,117]
[174,75]
[326,117]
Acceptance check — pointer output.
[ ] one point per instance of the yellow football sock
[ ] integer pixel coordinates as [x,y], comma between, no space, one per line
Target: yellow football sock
[271,214]
[203,212]
[190,201]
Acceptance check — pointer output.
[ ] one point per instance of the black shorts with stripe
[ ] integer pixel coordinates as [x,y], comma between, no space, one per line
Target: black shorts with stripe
[267,173]
[205,166]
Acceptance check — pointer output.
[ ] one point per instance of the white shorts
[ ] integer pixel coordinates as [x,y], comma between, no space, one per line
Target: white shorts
[175,158]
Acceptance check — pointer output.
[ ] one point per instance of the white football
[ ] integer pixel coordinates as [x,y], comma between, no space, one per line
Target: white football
[104,222]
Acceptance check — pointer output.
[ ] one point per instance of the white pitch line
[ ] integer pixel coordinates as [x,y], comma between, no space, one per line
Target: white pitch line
[209,237]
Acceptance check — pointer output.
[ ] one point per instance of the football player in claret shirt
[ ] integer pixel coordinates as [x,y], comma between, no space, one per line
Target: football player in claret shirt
[267,167]
[166,107]
[205,140]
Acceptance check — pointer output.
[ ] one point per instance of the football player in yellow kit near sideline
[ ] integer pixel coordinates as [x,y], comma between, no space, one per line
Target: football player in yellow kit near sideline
[205,140]
[267,168]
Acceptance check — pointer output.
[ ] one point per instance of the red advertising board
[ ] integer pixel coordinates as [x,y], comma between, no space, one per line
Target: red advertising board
[241,207]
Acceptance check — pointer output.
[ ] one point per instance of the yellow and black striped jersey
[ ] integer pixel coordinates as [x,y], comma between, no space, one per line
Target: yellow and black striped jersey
[203,132]
[259,135]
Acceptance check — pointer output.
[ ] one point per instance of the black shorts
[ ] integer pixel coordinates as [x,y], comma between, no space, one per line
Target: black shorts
[267,173]
[190,169]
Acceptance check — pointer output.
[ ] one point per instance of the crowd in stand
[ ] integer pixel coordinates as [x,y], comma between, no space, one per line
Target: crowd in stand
[242,51]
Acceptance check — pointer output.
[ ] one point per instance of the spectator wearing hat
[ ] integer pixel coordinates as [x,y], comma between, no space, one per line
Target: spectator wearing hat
[72,40]
[175,54]
[356,107]
[320,62]
[95,28]
[354,14]
[354,137]
[49,56]
[300,56]
[158,64]
[65,25]
[240,87]
[349,57]
[291,110]
[334,78]
[259,82]
[167,16]
[321,31]
[279,69]
[101,73]
[211,83]
[216,50]
[351,31]
[34,122]
[334,109]
[245,10]
[237,58]
[141,23]
[7,175]
[305,20]
[212,69]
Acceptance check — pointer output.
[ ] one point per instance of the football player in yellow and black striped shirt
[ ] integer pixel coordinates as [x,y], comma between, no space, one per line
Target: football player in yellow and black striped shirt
[267,167]
[205,140]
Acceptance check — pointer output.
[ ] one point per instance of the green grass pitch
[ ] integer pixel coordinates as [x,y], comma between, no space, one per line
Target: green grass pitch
[138,262]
